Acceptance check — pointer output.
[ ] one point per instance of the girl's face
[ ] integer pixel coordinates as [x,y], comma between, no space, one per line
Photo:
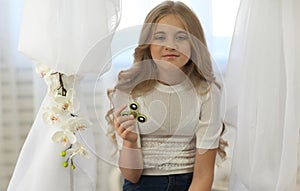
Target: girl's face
[170,42]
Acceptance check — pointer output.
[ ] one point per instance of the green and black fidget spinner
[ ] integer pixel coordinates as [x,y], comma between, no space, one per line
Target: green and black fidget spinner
[134,110]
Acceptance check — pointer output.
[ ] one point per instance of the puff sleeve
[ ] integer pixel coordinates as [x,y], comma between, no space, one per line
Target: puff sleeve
[210,123]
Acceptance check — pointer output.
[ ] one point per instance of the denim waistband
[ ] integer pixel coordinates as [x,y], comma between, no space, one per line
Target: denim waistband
[173,182]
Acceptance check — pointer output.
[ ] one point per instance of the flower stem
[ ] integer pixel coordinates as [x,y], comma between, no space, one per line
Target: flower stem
[63,89]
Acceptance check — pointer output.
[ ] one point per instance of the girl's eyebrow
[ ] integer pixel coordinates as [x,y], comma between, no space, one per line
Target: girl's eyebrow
[160,32]
[178,32]
[183,32]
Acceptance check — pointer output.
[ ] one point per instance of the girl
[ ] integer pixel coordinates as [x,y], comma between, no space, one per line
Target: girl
[169,136]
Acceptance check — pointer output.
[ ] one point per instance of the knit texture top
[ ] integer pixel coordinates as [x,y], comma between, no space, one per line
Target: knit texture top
[179,120]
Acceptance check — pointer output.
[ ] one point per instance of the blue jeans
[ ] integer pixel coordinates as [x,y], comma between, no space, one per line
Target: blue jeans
[176,182]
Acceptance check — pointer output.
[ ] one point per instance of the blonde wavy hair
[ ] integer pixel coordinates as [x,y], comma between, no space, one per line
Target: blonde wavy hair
[142,76]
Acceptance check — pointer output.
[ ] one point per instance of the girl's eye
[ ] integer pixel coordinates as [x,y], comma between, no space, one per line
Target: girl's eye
[181,37]
[159,38]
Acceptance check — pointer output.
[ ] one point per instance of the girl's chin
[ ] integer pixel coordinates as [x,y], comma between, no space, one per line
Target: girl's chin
[168,63]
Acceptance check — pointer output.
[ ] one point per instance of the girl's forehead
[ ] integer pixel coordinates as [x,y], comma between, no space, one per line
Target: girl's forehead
[170,23]
[168,29]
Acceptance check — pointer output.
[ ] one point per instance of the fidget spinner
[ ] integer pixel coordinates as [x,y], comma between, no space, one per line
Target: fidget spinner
[134,110]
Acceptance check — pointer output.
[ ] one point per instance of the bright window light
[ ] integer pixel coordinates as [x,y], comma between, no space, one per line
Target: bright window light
[135,11]
[223,16]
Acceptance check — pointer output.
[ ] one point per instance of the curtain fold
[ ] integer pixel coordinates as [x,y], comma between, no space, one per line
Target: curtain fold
[15,90]
[73,38]
[61,34]
[263,86]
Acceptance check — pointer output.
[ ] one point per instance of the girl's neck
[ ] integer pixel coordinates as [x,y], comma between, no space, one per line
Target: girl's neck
[171,78]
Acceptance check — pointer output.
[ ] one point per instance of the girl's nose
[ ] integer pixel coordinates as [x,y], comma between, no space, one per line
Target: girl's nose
[171,45]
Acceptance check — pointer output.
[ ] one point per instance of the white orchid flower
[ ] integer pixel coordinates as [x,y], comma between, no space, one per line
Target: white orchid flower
[68,102]
[78,149]
[55,116]
[76,124]
[53,84]
[64,137]
[43,70]
[51,118]
[62,112]
[69,81]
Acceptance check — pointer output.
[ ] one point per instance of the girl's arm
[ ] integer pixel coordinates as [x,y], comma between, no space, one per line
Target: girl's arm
[203,170]
[131,160]
[207,136]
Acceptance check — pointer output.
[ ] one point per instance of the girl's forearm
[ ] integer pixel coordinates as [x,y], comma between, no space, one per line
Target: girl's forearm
[203,170]
[131,161]
[204,184]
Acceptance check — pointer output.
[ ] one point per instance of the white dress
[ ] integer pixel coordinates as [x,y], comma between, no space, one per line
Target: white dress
[263,91]
[71,37]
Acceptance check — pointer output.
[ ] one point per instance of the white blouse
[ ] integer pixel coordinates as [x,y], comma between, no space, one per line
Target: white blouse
[178,122]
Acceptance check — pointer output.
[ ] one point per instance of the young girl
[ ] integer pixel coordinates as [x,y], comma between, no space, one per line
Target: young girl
[169,125]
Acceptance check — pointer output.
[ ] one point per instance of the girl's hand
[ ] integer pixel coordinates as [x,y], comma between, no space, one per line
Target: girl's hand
[125,126]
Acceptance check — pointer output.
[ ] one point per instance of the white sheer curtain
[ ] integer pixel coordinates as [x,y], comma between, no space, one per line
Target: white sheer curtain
[64,35]
[263,91]
[16,96]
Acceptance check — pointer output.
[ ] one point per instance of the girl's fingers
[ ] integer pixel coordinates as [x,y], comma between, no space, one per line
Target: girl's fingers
[122,119]
[123,132]
[130,129]
[120,131]
[117,113]
[118,118]
[125,125]
[128,123]
[128,133]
